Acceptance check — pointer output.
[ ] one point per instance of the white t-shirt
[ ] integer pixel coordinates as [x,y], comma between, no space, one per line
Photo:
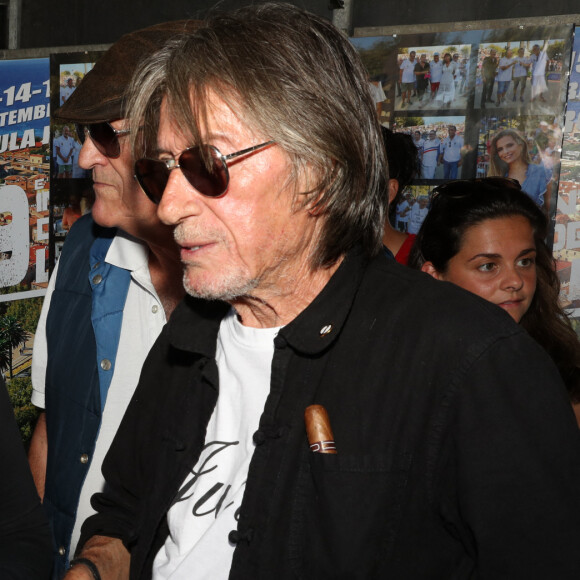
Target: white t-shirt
[519,69]
[377,92]
[143,319]
[451,148]
[431,150]
[206,507]
[66,146]
[408,69]
[418,215]
[401,207]
[436,71]
[65,93]
[419,145]
[504,75]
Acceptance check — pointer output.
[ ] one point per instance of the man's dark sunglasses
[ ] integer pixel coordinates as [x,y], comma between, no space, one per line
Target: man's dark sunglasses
[104,136]
[203,166]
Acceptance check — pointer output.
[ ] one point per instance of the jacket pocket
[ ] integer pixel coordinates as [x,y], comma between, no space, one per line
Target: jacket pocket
[346,514]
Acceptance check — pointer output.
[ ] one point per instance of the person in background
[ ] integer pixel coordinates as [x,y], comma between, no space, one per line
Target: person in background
[504,75]
[114,287]
[446,92]
[422,76]
[452,149]
[431,152]
[402,213]
[407,79]
[539,58]
[418,214]
[488,70]
[509,157]
[403,167]
[435,72]
[25,545]
[487,236]
[64,147]
[520,74]
[67,90]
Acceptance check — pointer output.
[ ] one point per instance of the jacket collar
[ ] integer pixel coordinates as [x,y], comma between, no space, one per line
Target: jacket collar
[194,325]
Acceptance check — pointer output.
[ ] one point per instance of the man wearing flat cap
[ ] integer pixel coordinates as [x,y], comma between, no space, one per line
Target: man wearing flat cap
[454,452]
[115,285]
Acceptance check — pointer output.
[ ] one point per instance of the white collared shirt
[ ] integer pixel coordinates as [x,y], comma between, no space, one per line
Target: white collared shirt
[143,319]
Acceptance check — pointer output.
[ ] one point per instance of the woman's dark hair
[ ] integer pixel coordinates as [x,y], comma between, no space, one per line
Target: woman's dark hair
[460,205]
[403,161]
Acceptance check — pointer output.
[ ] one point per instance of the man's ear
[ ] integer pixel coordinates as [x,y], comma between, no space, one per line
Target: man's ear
[428,268]
[393,189]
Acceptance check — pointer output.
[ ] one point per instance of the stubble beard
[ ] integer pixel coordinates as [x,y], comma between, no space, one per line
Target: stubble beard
[227,286]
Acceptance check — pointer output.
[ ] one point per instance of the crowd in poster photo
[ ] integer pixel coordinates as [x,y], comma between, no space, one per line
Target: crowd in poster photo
[433,77]
[518,74]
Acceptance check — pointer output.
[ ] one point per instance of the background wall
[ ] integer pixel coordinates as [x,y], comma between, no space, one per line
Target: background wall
[81,22]
[387,13]
[77,22]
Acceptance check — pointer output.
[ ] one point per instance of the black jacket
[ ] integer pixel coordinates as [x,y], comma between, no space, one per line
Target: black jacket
[458,453]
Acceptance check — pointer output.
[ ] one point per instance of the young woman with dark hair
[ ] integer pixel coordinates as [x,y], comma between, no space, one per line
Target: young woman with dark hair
[487,236]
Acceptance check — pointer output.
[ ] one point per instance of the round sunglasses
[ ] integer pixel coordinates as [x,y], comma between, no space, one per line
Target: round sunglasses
[204,167]
[104,136]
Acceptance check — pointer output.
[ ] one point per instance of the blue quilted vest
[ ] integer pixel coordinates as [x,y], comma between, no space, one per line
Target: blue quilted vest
[82,329]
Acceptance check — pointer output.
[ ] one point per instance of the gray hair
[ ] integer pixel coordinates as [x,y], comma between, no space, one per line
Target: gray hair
[293,78]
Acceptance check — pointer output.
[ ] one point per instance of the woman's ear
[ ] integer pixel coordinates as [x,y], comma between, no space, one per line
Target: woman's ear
[428,268]
[393,189]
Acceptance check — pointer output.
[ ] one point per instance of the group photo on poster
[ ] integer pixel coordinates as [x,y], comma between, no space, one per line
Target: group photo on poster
[519,73]
[433,77]
[439,142]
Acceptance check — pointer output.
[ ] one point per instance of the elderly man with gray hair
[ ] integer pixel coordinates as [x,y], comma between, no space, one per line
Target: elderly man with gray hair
[260,143]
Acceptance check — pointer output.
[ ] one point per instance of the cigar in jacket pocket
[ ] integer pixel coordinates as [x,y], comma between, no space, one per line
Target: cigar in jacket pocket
[318,429]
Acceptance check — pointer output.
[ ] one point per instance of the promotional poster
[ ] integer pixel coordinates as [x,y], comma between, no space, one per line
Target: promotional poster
[24,177]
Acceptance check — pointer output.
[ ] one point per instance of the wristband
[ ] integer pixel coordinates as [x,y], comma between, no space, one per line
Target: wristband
[88,564]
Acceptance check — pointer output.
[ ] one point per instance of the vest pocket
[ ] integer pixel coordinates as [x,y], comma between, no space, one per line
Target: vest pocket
[346,514]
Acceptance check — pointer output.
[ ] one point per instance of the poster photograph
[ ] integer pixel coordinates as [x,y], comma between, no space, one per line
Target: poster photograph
[435,113]
[24,177]
[430,135]
[518,73]
[433,77]
[71,187]
[511,145]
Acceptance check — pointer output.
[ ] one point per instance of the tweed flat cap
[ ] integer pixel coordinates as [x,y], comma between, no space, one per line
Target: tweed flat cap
[99,97]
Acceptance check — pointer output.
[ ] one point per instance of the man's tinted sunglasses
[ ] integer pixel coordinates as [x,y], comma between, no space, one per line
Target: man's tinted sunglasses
[104,136]
[204,167]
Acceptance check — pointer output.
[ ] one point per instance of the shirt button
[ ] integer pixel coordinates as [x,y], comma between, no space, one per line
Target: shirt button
[97,279]
[106,364]
[259,437]
[84,458]
[234,537]
[62,550]
[96,265]
[155,309]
